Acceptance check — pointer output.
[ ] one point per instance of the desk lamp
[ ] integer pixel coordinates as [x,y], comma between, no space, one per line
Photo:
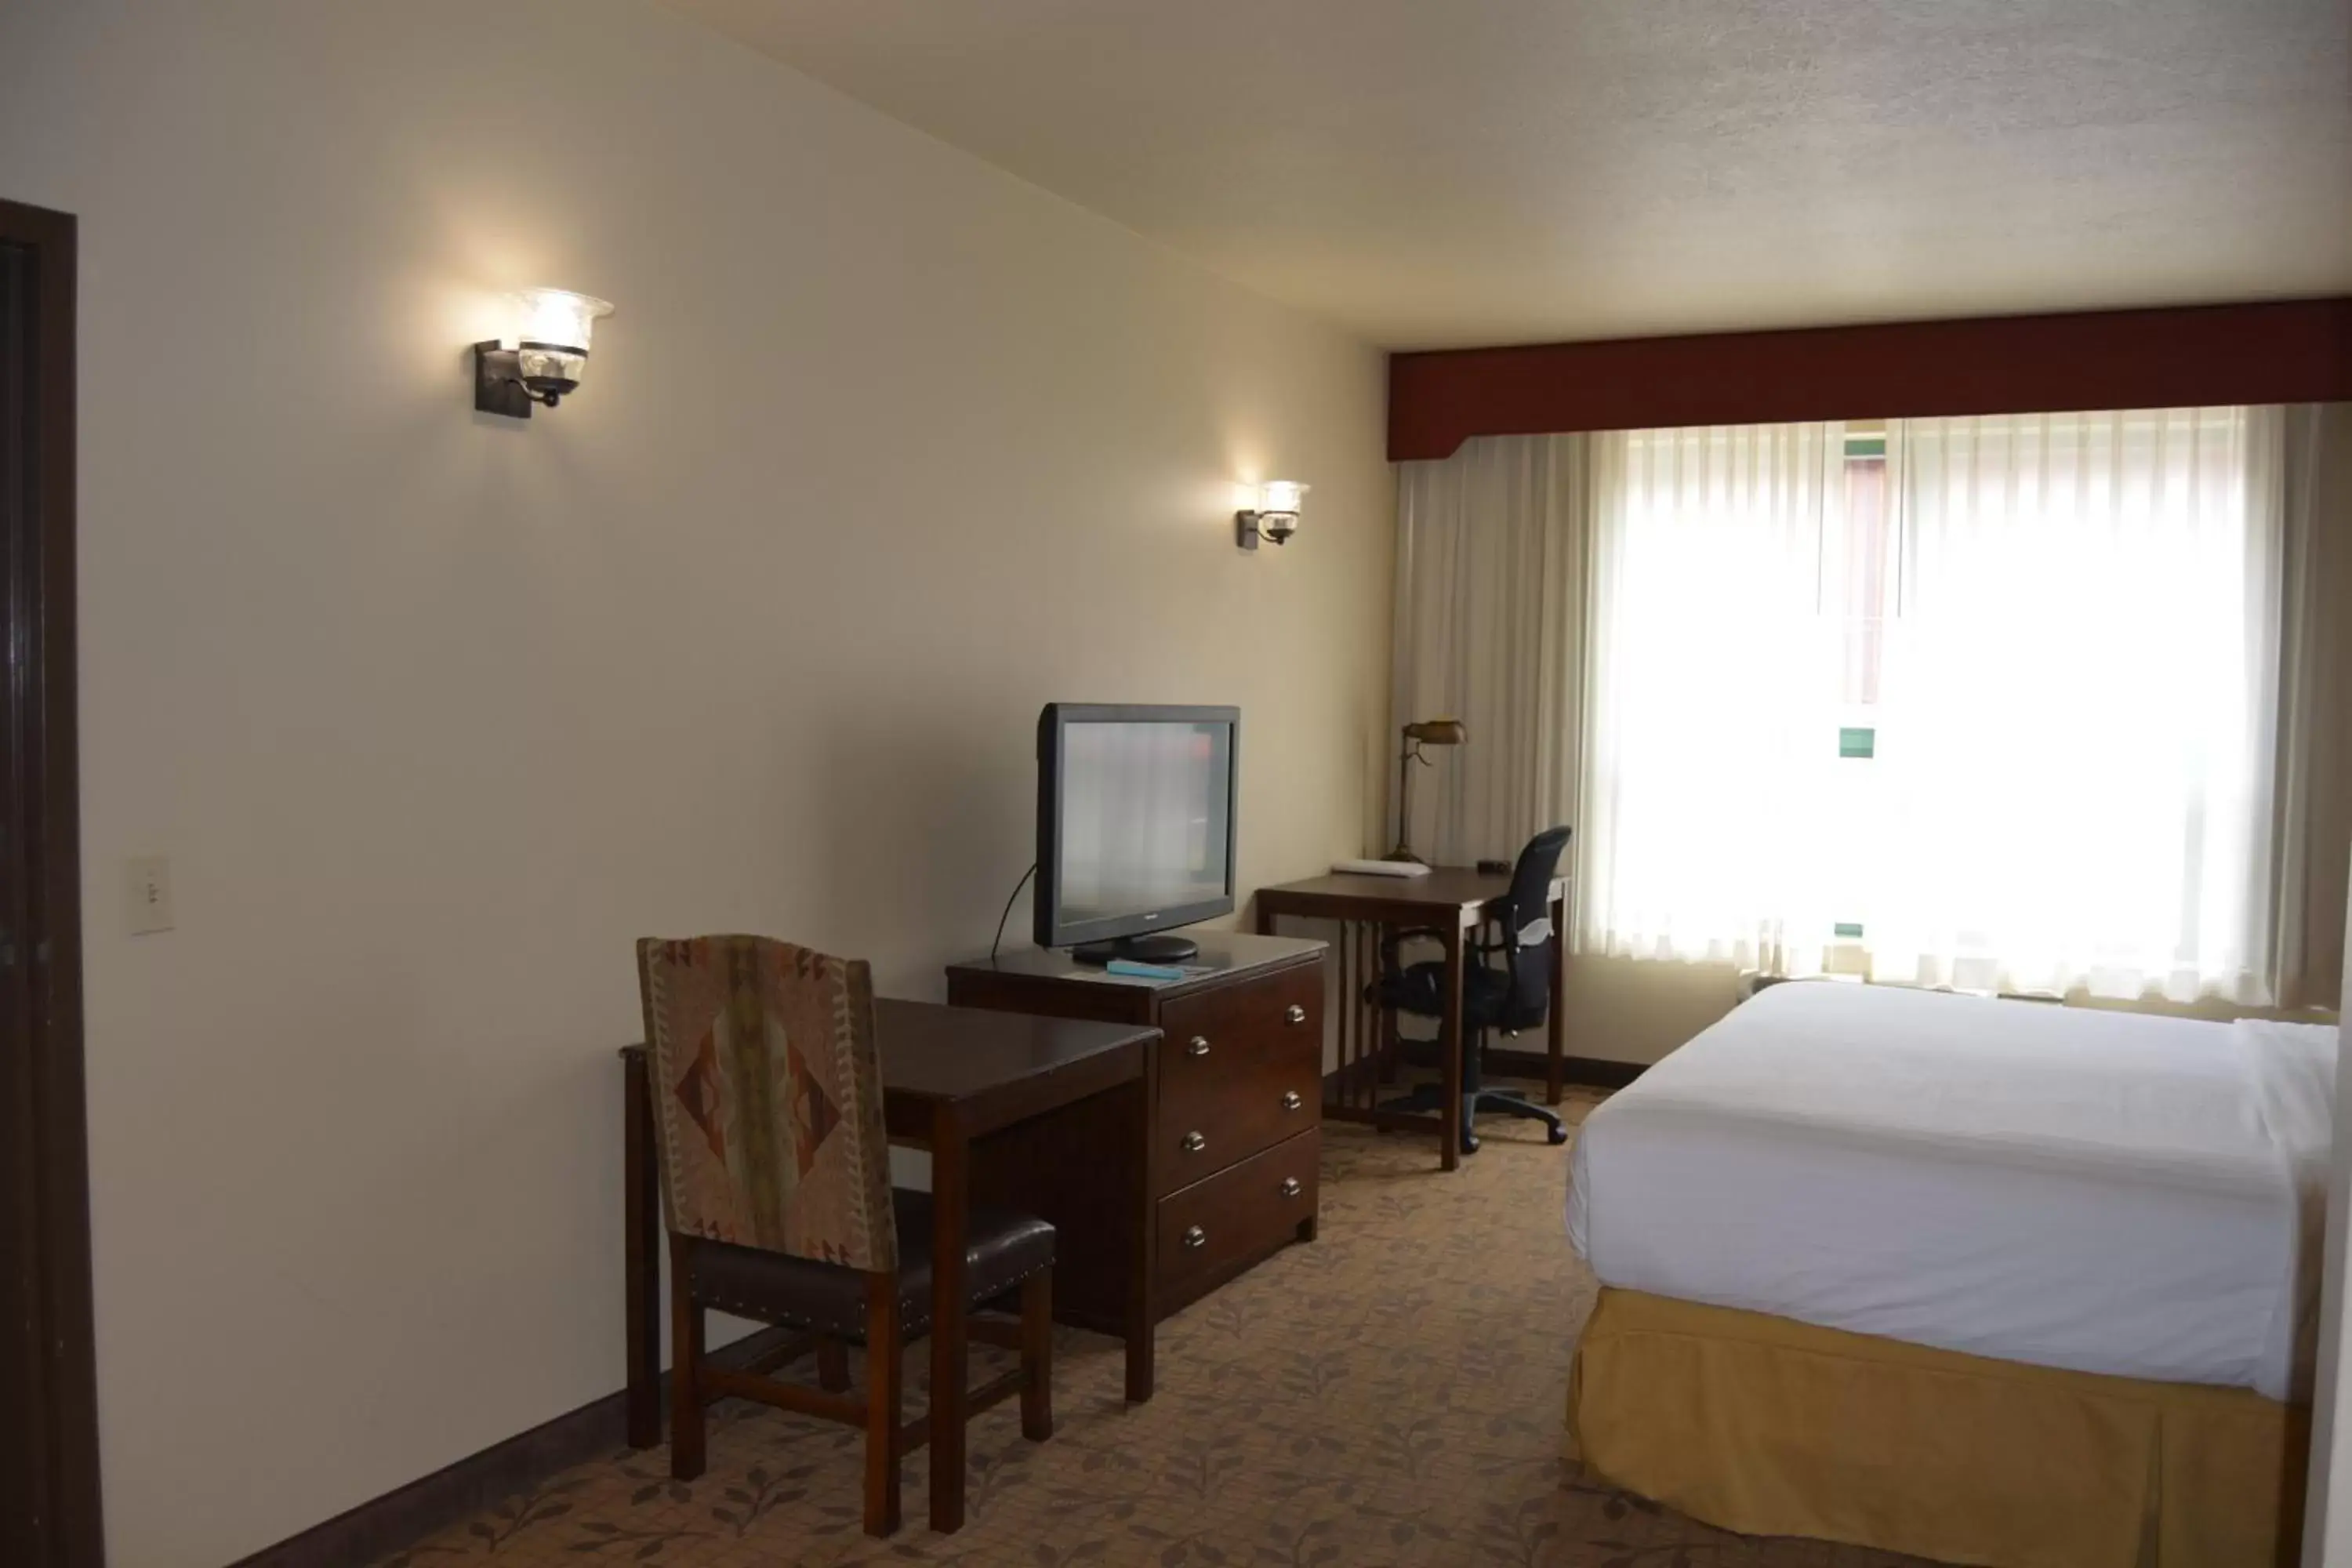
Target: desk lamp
[1427,733]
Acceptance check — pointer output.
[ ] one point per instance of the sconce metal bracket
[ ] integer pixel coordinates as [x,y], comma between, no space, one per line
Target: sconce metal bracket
[1246,530]
[497,381]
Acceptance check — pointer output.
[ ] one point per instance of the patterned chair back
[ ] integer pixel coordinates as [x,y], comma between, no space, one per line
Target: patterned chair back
[767,1098]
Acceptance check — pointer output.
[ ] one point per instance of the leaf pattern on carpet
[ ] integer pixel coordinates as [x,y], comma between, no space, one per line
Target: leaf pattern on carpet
[1388,1396]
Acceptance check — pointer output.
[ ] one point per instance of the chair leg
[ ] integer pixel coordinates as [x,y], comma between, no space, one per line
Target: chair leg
[884,1367]
[1037,1356]
[1474,1082]
[1430,1099]
[1514,1104]
[686,1446]
[832,1364]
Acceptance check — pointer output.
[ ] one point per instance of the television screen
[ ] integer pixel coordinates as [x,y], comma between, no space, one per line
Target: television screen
[1136,830]
[1143,818]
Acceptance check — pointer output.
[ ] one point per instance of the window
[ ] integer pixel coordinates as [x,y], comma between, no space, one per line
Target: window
[1976,703]
[1859,565]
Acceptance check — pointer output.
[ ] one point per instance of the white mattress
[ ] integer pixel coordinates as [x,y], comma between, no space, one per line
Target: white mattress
[2108,1192]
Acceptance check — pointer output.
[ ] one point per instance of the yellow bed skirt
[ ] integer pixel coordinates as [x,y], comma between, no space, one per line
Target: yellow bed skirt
[1768,1427]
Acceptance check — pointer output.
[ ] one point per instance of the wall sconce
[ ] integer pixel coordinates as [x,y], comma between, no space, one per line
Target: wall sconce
[549,355]
[1276,518]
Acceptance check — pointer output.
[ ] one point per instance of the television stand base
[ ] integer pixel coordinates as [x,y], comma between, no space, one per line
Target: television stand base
[1137,948]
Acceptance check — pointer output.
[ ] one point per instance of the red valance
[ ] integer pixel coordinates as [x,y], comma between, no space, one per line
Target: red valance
[2289,352]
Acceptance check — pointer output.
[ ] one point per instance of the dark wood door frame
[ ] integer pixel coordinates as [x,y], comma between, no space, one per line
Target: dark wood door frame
[49,1506]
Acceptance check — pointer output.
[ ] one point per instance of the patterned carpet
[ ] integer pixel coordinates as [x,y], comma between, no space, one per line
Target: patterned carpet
[1390,1395]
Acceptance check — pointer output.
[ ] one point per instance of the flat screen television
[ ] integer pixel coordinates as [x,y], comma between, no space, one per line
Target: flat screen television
[1134,826]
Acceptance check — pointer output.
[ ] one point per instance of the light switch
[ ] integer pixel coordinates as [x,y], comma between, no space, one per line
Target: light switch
[147,893]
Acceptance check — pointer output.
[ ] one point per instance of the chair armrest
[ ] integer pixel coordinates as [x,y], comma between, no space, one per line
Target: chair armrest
[1511,943]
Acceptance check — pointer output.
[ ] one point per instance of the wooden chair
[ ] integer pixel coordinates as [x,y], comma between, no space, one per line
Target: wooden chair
[775,1180]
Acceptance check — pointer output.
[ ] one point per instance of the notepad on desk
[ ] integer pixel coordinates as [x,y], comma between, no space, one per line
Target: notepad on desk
[1379,867]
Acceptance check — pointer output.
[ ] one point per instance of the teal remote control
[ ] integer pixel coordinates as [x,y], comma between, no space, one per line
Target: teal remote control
[1142,971]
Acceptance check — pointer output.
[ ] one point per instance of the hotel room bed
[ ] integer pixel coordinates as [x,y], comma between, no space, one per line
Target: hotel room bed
[1988,1281]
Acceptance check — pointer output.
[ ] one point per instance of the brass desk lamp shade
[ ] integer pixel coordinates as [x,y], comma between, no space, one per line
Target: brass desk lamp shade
[1427,733]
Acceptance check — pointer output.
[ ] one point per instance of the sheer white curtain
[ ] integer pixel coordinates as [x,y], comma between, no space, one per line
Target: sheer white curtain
[2076,728]
[1712,696]
[2031,702]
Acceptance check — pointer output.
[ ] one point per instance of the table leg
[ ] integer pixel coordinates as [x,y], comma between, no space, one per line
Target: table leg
[1449,1119]
[641,1255]
[1556,1028]
[1142,1288]
[1264,917]
[1384,1020]
[950,1237]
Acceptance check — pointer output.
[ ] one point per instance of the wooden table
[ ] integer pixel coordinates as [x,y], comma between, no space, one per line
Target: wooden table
[1455,901]
[950,1076]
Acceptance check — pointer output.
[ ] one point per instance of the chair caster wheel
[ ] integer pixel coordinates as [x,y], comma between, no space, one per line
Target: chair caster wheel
[1556,1136]
[1469,1143]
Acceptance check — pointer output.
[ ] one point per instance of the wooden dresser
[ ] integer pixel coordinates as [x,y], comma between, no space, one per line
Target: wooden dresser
[1238,1116]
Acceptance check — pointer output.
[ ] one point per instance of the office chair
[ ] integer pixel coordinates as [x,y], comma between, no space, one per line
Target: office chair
[1510,998]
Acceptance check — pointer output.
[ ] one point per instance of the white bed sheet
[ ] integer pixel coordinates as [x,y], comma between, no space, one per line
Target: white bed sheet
[2109,1191]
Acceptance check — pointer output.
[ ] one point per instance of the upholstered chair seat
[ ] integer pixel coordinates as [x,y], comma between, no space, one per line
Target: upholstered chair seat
[1006,1249]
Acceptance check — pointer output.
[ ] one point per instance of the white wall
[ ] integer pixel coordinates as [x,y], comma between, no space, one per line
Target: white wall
[1637,1010]
[434,712]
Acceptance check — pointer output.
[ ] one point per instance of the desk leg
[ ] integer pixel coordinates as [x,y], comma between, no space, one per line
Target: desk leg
[1555,1030]
[950,1237]
[1449,1118]
[1143,1264]
[1383,1027]
[641,1254]
[1264,917]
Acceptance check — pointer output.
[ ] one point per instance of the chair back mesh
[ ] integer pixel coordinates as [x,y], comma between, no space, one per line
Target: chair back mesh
[1530,900]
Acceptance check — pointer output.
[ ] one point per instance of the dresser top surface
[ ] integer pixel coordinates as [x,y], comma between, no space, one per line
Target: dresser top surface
[1223,954]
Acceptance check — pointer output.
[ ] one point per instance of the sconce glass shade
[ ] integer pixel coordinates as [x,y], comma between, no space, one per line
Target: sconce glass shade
[553,327]
[1281,496]
[1277,516]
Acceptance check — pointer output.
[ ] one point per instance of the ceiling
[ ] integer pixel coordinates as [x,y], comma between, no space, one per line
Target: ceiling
[1515,171]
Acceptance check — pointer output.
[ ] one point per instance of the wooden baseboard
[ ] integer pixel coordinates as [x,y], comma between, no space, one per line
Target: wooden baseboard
[1593,1072]
[402,1518]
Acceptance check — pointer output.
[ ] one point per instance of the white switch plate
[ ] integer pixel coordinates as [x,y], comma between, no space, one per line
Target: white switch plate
[147,893]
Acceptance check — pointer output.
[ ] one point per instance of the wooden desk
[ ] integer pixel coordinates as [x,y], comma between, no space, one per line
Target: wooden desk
[1455,901]
[950,1077]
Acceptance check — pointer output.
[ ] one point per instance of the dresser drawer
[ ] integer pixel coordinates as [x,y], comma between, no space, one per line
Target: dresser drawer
[1240,1070]
[1215,1227]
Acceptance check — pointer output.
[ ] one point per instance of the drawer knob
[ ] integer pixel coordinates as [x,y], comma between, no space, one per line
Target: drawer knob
[1194,1142]
[1290,1186]
[1291,1100]
[1294,1014]
[1198,1046]
[1196,1237]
